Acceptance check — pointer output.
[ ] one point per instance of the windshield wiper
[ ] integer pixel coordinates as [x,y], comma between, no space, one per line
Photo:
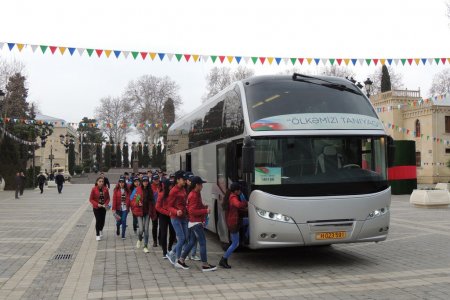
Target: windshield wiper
[326,83]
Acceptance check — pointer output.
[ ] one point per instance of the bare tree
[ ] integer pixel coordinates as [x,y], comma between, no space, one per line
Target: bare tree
[396,80]
[7,69]
[147,95]
[441,83]
[336,71]
[448,9]
[221,77]
[114,112]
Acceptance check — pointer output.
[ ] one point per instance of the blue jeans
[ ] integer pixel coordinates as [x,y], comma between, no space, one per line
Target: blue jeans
[197,233]
[194,249]
[123,220]
[146,220]
[181,230]
[233,246]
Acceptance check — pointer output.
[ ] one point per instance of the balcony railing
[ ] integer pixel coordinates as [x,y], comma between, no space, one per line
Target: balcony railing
[395,94]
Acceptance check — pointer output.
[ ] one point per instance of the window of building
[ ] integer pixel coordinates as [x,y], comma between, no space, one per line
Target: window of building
[417,128]
[447,151]
[447,124]
[418,160]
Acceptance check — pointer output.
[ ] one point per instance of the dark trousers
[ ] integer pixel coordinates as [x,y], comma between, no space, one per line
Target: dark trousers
[135,223]
[41,187]
[17,192]
[99,214]
[22,187]
[60,187]
[155,230]
[164,225]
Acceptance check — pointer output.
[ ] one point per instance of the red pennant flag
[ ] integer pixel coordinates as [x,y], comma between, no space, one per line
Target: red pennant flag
[410,60]
[187,57]
[221,58]
[262,60]
[375,61]
[443,60]
[144,55]
[339,61]
[301,60]
[53,49]
[99,52]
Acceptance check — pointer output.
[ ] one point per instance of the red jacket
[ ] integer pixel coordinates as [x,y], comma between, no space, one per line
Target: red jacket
[176,201]
[94,198]
[196,209]
[117,199]
[150,205]
[136,202]
[233,212]
[161,204]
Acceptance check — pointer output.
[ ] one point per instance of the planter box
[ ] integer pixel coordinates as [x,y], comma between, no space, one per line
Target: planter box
[51,184]
[2,185]
[430,198]
[442,186]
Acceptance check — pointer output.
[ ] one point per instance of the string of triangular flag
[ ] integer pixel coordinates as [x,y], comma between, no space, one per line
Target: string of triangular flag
[16,139]
[413,133]
[415,103]
[182,57]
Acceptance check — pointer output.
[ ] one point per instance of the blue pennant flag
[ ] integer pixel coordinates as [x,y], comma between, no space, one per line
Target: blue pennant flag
[117,53]
[71,50]
[317,60]
[238,59]
[278,60]
[161,55]
[389,61]
[11,46]
[354,60]
[424,61]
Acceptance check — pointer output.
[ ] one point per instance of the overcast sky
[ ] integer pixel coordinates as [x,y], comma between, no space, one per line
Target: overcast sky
[70,87]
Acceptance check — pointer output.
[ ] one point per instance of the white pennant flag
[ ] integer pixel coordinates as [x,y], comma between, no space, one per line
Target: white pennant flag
[286,60]
[396,61]
[205,58]
[34,47]
[1,45]
[80,51]
[361,61]
[324,61]
[125,54]
[246,59]
[170,56]
[430,61]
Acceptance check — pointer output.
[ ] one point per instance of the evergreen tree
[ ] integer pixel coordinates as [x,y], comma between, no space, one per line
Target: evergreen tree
[159,154]
[140,154]
[163,159]
[93,136]
[154,157]
[71,158]
[126,161]
[118,156]
[107,156]
[385,79]
[146,156]
[99,157]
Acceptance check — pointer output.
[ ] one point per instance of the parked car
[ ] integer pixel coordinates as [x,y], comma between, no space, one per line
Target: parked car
[65,173]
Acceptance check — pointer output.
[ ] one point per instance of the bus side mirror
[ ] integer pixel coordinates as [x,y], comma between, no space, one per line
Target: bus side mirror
[390,151]
[248,155]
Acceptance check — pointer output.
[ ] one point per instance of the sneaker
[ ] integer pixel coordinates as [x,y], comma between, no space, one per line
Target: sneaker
[123,238]
[195,257]
[138,244]
[165,257]
[145,249]
[181,265]
[208,268]
[171,258]
[155,244]
[101,234]
[98,238]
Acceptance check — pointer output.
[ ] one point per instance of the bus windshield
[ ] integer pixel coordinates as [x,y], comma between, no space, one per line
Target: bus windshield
[301,166]
[285,104]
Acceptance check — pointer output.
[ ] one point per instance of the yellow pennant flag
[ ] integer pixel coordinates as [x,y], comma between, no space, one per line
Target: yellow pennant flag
[195,57]
[108,53]
[270,60]
[417,60]
[382,61]
[62,50]
[230,59]
[20,46]
[152,55]
[346,61]
[448,59]
[309,60]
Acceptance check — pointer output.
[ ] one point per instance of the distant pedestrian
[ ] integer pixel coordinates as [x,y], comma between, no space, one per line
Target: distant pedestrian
[164,218]
[22,182]
[106,180]
[198,213]
[59,180]
[232,206]
[41,181]
[99,199]
[18,183]
[121,205]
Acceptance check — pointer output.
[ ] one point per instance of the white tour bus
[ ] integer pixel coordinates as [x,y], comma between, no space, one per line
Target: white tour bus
[310,153]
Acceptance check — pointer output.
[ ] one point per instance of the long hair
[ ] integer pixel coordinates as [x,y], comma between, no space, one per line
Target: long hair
[98,178]
[226,201]
[167,187]
[125,187]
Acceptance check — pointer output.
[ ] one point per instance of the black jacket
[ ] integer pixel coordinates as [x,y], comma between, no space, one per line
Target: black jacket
[59,179]
[41,179]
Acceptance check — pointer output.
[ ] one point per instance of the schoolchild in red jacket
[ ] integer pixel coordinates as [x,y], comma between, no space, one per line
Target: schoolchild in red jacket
[164,218]
[121,205]
[99,199]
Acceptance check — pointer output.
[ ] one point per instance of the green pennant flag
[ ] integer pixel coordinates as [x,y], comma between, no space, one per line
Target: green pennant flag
[135,54]
[437,60]
[293,60]
[178,56]
[213,58]
[368,60]
[332,61]
[403,60]
[43,48]
[254,59]
[90,51]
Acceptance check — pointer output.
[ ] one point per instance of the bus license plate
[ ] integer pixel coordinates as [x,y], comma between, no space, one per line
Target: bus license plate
[335,235]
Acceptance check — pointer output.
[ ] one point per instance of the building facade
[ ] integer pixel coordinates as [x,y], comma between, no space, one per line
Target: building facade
[407,116]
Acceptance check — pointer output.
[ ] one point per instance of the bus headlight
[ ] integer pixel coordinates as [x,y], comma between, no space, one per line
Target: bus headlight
[273,216]
[378,212]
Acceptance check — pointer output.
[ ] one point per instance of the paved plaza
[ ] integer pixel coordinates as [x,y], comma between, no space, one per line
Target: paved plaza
[48,251]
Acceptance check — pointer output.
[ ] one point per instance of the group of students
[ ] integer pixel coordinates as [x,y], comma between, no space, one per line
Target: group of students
[175,207]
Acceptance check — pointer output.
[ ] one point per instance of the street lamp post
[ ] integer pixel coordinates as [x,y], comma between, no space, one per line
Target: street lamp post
[2,97]
[368,85]
[66,140]
[81,138]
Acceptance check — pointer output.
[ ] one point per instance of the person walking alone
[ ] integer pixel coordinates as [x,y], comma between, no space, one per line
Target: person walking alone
[23,180]
[232,205]
[18,183]
[41,181]
[59,180]
[99,199]
[121,205]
